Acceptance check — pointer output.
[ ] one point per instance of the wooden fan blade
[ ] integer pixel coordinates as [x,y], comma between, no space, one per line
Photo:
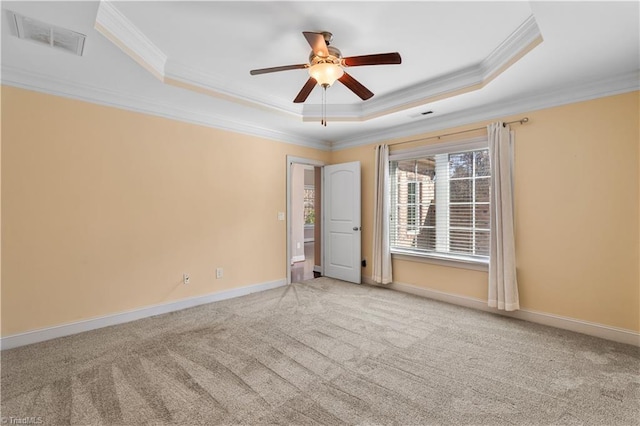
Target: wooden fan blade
[317,43]
[276,69]
[355,86]
[306,90]
[375,59]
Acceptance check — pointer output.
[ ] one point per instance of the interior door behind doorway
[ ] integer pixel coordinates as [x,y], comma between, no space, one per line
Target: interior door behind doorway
[342,222]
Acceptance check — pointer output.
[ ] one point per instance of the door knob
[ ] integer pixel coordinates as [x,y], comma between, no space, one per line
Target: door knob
[357,228]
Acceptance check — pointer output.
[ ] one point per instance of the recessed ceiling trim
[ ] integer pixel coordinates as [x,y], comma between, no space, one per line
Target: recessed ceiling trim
[448,85]
[117,28]
[184,76]
[616,85]
[112,24]
[337,112]
[519,43]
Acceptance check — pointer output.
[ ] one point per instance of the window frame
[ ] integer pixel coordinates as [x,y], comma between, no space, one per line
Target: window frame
[439,258]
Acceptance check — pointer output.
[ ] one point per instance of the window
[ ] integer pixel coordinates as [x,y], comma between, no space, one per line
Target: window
[440,201]
[309,208]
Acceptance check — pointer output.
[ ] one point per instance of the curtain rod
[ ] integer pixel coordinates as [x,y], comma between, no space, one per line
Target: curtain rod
[521,121]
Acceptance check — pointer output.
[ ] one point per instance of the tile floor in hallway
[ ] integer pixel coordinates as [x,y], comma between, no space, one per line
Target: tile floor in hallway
[302,271]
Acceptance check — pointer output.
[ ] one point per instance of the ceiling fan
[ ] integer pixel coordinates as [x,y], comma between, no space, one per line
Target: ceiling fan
[326,65]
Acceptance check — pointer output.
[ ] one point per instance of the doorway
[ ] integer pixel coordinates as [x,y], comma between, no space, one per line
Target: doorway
[337,196]
[304,213]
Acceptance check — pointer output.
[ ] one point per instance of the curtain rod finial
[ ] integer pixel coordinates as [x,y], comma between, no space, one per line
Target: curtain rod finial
[521,121]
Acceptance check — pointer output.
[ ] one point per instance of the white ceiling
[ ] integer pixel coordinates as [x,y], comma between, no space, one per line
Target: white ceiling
[465,61]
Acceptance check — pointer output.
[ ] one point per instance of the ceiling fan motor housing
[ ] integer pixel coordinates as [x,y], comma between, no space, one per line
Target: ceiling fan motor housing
[328,37]
[335,56]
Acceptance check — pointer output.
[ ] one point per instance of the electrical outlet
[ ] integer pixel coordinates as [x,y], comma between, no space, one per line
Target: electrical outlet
[219,273]
[298,245]
[186,278]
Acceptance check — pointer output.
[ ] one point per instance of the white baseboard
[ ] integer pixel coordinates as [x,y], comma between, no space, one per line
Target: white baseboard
[317,268]
[616,334]
[49,333]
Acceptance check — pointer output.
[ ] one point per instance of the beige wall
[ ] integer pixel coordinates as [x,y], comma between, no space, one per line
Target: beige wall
[577,221]
[103,209]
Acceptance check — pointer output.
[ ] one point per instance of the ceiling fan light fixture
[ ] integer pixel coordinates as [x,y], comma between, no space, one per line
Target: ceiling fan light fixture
[326,73]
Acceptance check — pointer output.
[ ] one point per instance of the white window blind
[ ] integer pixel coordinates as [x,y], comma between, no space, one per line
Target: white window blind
[440,201]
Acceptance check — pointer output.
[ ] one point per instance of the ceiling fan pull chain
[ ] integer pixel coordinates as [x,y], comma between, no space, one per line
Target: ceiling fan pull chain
[323,122]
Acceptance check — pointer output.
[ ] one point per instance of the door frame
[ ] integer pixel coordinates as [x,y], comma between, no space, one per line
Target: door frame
[307,162]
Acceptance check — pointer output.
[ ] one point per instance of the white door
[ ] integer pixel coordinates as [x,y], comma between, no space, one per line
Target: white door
[342,226]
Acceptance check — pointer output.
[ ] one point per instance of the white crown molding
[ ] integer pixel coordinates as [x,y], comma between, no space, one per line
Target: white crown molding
[624,83]
[457,82]
[602,331]
[111,23]
[214,86]
[335,112]
[41,83]
[464,80]
[437,88]
[119,30]
[608,87]
[611,86]
[527,34]
[49,333]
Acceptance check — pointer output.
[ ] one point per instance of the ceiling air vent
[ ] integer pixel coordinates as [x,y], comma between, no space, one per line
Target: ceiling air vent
[41,32]
[421,114]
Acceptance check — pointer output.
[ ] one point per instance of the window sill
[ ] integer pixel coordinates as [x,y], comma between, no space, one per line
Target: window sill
[462,263]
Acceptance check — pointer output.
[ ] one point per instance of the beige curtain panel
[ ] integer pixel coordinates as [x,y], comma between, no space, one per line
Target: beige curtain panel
[503,285]
[381,259]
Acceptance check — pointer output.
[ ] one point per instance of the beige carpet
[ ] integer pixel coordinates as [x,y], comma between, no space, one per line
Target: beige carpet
[324,352]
